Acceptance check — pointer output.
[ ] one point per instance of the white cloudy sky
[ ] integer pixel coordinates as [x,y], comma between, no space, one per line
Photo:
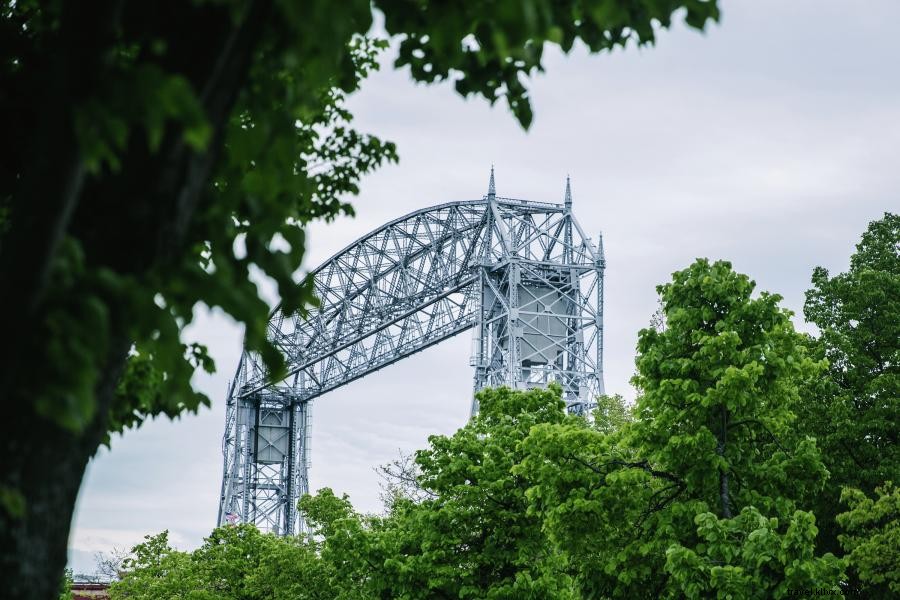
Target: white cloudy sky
[771,141]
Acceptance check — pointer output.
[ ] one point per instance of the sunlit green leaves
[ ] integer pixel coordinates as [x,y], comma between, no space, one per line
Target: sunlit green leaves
[632,500]
[234,563]
[871,536]
[717,386]
[470,535]
[752,556]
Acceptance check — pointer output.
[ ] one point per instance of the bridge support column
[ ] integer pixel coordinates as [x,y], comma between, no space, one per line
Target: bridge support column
[266,461]
[541,312]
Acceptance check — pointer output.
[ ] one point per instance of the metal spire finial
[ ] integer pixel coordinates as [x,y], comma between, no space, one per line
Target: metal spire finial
[492,188]
[568,193]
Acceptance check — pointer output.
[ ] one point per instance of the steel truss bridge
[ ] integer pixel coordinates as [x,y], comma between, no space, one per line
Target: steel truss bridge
[522,275]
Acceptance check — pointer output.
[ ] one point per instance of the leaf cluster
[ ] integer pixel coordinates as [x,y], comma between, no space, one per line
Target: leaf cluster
[234,562]
[871,536]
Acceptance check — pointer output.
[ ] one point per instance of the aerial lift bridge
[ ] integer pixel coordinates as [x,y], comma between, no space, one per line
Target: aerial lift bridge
[522,275]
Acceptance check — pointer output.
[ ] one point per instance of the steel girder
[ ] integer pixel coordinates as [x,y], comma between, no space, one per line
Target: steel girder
[521,273]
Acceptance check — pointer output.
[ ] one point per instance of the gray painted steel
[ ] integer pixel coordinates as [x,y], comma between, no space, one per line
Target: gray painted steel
[521,274]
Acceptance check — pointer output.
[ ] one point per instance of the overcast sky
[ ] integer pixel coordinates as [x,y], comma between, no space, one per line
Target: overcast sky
[771,141]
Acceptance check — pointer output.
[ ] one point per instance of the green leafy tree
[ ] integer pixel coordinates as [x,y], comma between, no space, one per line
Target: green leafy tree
[712,453]
[611,414]
[853,412]
[750,556]
[473,537]
[592,496]
[290,569]
[156,570]
[234,563]
[699,490]
[142,140]
[349,545]
[716,387]
[871,536]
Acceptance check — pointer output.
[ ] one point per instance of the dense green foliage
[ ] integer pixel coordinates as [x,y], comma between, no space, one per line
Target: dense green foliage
[853,413]
[872,538]
[494,524]
[156,154]
[703,492]
[473,536]
[234,563]
[710,486]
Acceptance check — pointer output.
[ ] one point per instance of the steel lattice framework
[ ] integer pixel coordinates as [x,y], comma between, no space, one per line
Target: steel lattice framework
[522,274]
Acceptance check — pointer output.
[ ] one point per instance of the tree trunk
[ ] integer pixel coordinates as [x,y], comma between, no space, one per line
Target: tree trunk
[724,494]
[43,464]
[46,464]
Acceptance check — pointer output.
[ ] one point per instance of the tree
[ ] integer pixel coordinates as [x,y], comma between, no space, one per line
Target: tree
[750,556]
[108,565]
[156,570]
[526,501]
[701,494]
[611,414]
[346,544]
[142,141]
[235,562]
[468,535]
[400,481]
[472,537]
[716,387]
[853,412]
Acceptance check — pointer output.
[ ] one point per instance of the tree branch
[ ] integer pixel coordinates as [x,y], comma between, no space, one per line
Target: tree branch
[747,422]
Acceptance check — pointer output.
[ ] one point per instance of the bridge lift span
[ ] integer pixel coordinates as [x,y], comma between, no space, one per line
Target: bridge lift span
[521,274]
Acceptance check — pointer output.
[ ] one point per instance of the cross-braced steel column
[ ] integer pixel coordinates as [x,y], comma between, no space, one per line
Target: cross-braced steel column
[266,460]
[539,321]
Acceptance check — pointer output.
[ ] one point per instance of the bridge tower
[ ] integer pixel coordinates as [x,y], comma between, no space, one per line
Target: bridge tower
[536,295]
[521,274]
